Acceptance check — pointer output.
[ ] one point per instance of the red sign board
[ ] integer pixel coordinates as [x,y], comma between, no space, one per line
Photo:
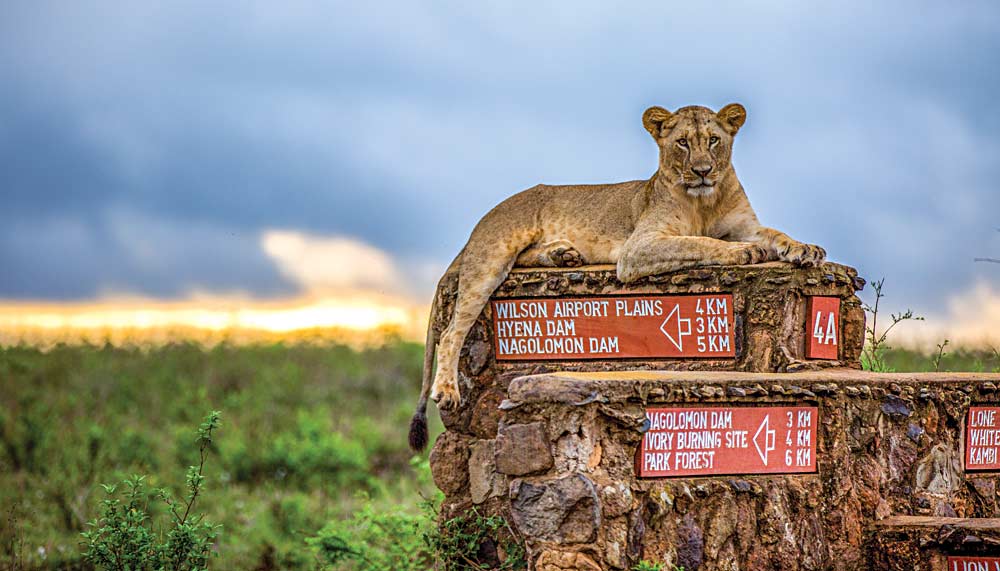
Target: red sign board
[823,328]
[613,327]
[982,438]
[708,441]
[974,564]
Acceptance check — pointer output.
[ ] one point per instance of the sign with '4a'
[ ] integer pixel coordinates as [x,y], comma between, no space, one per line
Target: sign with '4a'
[823,339]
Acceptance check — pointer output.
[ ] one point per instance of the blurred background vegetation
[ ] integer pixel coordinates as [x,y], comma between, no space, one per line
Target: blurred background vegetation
[312,447]
[310,434]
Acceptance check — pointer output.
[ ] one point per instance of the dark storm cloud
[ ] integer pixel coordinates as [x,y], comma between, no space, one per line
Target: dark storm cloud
[871,129]
[61,257]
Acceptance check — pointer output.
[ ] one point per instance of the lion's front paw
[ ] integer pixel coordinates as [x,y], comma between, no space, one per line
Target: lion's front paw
[749,254]
[800,254]
[564,257]
[445,392]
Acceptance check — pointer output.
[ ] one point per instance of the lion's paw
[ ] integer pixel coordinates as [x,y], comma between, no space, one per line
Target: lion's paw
[806,255]
[566,257]
[445,392]
[750,254]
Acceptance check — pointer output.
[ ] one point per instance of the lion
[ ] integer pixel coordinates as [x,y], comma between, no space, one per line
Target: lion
[693,211]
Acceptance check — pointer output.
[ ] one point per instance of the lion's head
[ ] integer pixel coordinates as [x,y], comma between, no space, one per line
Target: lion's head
[696,144]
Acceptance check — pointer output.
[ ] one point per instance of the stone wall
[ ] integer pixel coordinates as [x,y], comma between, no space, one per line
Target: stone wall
[888,445]
[552,446]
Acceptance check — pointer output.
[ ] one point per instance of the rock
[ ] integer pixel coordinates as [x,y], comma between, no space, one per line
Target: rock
[486,415]
[449,461]
[616,540]
[896,407]
[882,510]
[522,449]
[938,472]
[484,480]
[565,561]
[616,500]
[736,392]
[479,355]
[690,544]
[719,526]
[564,510]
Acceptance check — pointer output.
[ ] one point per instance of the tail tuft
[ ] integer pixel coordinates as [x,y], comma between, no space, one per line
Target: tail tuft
[418,431]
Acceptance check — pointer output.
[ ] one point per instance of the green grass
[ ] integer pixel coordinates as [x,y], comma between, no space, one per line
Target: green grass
[312,444]
[310,434]
[968,360]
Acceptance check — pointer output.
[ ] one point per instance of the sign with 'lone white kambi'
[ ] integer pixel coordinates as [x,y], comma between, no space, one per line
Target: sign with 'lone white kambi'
[614,327]
[982,438]
[704,441]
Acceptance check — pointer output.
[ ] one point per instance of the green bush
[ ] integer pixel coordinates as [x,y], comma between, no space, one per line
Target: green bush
[472,542]
[127,537]
[310,454]
[374,540]
[652,566]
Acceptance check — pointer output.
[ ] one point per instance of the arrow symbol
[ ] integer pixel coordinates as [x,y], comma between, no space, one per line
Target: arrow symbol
[675,315]
[765,429]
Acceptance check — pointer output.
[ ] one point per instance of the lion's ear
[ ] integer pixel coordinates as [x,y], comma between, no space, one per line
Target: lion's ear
[654,118]
[732,117]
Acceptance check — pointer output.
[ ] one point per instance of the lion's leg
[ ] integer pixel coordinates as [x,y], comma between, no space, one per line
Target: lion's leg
[483,268]
[555,254]
[654,253]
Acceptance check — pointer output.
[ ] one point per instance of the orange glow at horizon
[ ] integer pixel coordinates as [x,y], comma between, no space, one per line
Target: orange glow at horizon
[341,316]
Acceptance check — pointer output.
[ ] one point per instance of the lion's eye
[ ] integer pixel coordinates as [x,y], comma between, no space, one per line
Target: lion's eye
[713,140]
[682,142]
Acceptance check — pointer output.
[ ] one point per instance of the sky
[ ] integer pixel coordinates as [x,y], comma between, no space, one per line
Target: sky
[261,152]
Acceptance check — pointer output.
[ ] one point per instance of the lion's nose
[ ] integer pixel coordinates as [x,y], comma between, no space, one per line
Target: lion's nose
[702,170]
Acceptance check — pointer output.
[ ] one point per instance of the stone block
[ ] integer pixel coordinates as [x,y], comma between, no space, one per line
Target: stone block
[564,510]
[449,461]
[484,480]
[522,449]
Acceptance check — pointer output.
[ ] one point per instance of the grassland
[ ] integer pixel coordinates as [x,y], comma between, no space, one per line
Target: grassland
[311,434]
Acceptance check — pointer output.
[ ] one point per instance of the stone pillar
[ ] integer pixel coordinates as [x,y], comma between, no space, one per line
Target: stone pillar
[770,302]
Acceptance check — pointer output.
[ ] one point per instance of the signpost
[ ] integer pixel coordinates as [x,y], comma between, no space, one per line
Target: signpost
[704,441]
[982,438]
[974,564]
[823,333]
[614,327]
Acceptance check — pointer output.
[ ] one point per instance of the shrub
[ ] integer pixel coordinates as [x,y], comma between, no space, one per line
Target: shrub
[873,354]
[312,454]
[374,540]
[126,537]
[472,542]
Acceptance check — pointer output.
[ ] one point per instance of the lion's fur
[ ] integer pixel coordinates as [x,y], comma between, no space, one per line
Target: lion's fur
[678,218]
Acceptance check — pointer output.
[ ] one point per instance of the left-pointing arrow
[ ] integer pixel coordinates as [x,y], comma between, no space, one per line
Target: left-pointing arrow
[768,434]
[673,323]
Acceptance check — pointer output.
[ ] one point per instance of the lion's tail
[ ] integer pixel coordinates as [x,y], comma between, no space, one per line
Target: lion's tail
[418,424]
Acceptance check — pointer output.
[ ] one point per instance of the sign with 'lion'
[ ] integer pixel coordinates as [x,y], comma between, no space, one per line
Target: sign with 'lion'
[614,327]
[973,563]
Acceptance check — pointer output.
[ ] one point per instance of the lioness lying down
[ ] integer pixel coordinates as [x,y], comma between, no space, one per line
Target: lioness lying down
[692,212]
